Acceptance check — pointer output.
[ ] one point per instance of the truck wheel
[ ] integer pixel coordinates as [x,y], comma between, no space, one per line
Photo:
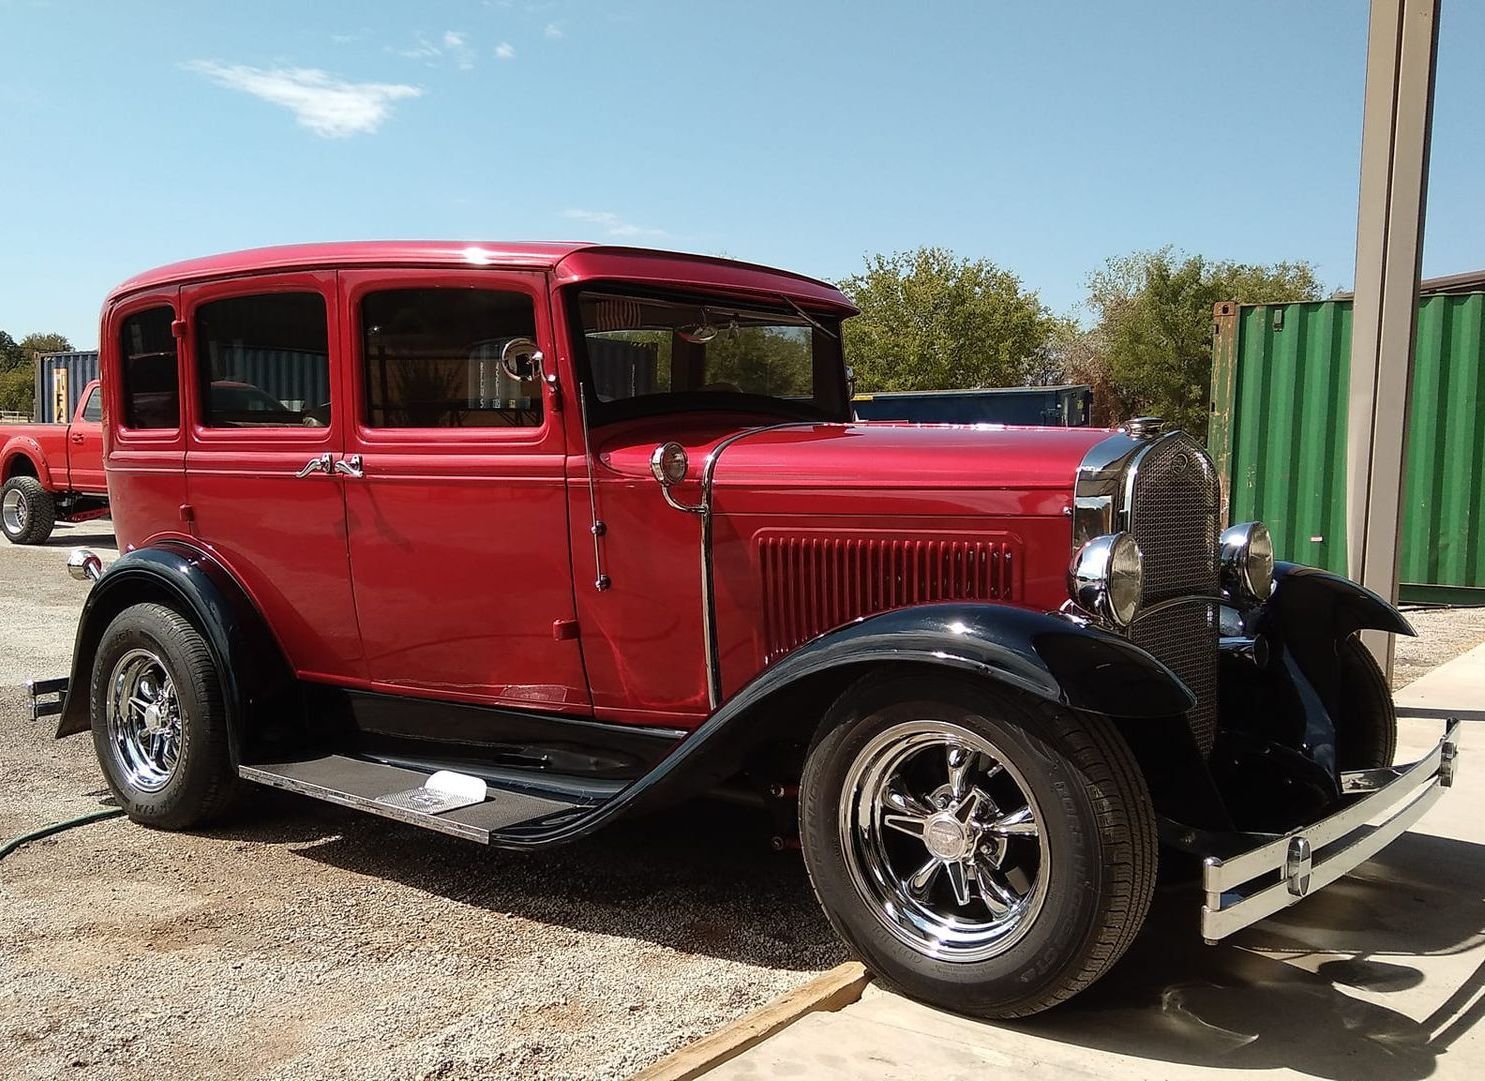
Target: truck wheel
[986,853]
[27,511]
[159,725]
[1366,737]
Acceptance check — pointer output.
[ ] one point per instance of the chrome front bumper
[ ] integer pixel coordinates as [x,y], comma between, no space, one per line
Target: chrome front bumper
[1244,887]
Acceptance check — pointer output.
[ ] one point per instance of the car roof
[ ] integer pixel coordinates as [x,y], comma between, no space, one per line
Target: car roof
[573,260]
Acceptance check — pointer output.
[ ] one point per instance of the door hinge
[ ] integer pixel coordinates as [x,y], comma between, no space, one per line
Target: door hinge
[564,629]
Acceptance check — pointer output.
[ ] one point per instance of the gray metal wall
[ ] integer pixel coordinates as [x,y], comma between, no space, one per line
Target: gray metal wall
[75,370]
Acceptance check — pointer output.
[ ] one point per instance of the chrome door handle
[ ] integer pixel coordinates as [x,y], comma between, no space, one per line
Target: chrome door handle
[350,467]
[315,465]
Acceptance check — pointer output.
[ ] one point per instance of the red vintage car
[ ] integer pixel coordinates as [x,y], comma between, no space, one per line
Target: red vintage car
[519,540]
[52,473]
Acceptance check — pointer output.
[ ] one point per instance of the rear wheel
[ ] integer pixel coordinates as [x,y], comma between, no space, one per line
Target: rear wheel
[159,725]
[979,851]
[27,511]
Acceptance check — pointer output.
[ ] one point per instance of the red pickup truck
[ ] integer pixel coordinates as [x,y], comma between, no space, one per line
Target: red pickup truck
[52,472]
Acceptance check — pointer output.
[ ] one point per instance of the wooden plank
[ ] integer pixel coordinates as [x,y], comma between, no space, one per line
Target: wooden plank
[828,992]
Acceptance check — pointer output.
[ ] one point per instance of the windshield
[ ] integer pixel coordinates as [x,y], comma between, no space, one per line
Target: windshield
[650,354]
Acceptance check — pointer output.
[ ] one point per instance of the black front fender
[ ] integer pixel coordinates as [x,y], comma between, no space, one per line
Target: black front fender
[187,579]
[1044,655]
[1331,606]
[1056,659]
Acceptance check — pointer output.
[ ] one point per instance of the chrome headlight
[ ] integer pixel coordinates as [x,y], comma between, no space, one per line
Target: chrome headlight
[1246,555]
[1106,577]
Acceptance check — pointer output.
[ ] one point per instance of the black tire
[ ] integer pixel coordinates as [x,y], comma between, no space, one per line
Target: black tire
[201,786]
[1366,734]
[1093,806]
[30,512]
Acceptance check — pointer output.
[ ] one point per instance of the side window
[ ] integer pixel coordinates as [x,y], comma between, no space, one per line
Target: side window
[151,377]
[263,361]
[432,359]
[93,409]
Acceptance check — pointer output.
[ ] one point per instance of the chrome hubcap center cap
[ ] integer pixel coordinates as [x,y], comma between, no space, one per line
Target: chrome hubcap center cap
[947,838]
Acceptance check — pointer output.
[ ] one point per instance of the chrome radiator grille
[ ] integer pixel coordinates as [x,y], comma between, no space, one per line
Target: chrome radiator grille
[1172,504]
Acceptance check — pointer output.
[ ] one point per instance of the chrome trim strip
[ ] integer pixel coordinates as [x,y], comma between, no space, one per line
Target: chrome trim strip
[708,588]
[1319,854]
[1096,491]
[596,527]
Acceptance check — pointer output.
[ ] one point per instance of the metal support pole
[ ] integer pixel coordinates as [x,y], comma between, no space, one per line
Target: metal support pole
[1401,49]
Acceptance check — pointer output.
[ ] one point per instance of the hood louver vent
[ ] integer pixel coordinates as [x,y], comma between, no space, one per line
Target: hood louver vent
[814,583]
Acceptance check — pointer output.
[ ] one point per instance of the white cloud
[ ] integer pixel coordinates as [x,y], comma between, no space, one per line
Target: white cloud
[553,31]
[505,51]
[612,224]
[327,106]
[451,43]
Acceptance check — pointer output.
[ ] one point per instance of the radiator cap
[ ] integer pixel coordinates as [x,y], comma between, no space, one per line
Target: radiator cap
[1144,427]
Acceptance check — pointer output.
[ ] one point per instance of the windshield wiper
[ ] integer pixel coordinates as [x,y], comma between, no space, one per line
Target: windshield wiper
[807,317]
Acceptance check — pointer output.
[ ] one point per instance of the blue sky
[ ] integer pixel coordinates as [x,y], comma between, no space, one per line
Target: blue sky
[1043,136]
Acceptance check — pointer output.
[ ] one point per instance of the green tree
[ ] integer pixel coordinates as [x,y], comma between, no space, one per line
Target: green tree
[932,321]
[1150,349]
[18,367]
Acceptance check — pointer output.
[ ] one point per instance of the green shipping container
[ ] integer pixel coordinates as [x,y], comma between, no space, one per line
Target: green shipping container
[1278,434]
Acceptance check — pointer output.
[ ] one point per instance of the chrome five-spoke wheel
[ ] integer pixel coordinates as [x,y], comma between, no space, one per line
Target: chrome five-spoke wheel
[943,840]
[144,720]
[975,847]
[13,512]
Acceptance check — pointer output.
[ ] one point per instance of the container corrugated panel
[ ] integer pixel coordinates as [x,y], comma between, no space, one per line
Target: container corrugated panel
[1280,391]
[68,373]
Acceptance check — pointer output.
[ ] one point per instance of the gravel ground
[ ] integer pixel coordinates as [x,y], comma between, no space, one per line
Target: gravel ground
[307,941]
[1443,633]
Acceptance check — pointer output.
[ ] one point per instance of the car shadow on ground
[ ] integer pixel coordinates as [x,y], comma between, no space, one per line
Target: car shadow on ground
[701,878]
[1275,995]
[76,540]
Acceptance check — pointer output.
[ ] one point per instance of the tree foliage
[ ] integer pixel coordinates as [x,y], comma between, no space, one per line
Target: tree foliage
[932,321]
[18,367]
[1150,349]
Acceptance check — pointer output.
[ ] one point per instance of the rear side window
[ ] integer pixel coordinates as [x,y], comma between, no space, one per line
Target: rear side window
[264,361]
[432,359]
[93,410]
[151,377]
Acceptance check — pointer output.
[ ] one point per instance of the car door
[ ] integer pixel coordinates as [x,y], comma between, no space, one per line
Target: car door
[266,426]
[458,521]
[85,444]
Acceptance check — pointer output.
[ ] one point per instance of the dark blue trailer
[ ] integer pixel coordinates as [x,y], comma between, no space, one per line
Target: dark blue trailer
[1066,406]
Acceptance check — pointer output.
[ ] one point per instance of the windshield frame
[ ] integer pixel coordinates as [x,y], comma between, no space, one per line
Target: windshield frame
[825,348]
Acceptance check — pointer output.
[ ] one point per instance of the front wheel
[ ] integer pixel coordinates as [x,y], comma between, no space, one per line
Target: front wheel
[982,852]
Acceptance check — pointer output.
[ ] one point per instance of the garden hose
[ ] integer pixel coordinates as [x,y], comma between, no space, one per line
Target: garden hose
[57,827]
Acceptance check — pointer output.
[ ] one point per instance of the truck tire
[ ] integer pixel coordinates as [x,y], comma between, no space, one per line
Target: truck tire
[1366,737]
[159,724]
[982,851]
[27,511]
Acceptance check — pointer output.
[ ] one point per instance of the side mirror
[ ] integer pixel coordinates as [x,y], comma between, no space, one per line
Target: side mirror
[521,360]
[668,465]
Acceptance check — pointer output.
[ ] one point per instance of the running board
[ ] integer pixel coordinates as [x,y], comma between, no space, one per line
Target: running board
[452,805]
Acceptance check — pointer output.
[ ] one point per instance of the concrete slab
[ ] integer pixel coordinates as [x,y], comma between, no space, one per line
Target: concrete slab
[1457,685]
[1380,977]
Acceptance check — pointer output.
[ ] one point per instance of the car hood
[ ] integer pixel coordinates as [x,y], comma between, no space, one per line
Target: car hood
[899,468]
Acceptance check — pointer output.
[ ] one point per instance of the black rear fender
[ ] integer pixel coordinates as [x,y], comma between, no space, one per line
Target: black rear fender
[253,671]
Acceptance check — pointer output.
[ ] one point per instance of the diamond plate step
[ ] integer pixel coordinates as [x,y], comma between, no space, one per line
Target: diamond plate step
[365,786]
